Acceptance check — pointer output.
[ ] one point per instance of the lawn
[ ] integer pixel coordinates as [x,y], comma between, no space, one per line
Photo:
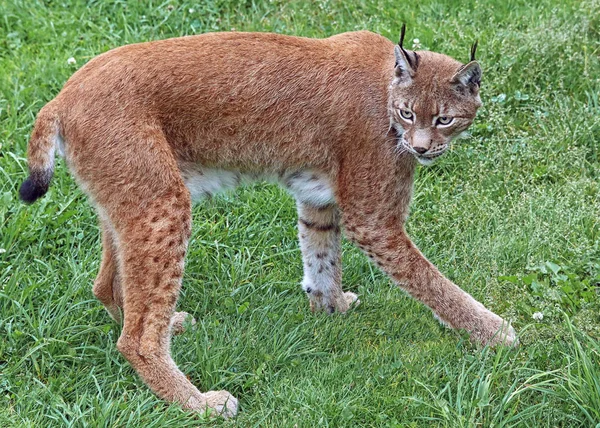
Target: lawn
[511,214]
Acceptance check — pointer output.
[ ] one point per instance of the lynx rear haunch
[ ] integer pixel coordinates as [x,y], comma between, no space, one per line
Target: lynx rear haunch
[340,122]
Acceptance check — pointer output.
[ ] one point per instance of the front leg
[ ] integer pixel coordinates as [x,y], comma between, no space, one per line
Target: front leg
[374,210]
[394,252]
[320,242]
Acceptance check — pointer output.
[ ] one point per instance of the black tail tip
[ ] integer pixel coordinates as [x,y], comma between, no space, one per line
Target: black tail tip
[31,190]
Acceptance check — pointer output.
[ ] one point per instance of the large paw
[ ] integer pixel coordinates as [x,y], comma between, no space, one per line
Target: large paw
[493,330]
[178,321]
[352,299]
[332,303]
[222,402]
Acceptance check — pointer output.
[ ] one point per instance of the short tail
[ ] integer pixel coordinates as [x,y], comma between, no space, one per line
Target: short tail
[40,154]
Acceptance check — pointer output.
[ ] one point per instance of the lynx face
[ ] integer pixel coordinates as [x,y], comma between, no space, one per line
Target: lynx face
[433,99]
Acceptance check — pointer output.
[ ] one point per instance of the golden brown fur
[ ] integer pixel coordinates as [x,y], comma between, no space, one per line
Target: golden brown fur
[144,125]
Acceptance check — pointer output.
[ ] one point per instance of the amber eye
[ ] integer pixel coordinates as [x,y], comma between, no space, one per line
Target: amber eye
[406,114]
[445,120]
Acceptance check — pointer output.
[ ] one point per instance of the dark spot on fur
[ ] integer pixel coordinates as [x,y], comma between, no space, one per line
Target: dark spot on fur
[320,255]
[155,259]
[324,207]
[294,175]
[330,309]
[308,290]
[318,227]
[320,269]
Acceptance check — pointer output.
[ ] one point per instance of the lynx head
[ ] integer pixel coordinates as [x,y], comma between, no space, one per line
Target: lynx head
[433,98]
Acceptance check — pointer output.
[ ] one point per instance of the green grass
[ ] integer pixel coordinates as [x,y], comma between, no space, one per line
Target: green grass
[511,215]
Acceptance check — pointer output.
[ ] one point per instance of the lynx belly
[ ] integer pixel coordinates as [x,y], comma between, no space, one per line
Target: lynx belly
[306,185]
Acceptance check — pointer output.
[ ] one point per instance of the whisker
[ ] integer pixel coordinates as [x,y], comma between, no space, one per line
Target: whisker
[399,149]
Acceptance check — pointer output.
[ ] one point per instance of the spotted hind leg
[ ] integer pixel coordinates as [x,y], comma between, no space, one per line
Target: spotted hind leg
[152,242]
[107,286]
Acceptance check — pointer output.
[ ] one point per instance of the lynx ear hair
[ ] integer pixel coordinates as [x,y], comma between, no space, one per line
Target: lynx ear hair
[406,62]
[473,50]
[469,75]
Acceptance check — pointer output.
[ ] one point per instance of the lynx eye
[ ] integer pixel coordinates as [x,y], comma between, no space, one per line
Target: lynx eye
[445,120]
[406,114]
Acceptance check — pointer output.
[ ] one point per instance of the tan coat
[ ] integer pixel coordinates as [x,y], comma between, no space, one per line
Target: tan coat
[340,122]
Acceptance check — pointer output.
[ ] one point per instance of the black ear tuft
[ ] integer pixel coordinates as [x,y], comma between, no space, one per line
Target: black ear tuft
[400,43]
[406,61]
[402,33]
[473,50]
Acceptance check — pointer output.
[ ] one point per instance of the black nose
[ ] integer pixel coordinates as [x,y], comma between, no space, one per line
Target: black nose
[420,150]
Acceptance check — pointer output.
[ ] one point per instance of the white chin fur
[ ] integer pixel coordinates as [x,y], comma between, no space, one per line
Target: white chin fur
[425,161]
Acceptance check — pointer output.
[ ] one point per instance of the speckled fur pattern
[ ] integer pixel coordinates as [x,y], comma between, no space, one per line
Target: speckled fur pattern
[146,128]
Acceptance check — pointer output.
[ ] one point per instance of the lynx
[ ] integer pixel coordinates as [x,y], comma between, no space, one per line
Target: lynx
[340,122]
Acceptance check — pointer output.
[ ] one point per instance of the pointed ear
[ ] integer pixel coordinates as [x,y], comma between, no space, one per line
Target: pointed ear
[468,75]
[406,63]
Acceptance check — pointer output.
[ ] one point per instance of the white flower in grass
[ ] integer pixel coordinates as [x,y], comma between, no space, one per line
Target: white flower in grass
[190,10]
[538,316]
[416,44]
[2,251]
[71,61]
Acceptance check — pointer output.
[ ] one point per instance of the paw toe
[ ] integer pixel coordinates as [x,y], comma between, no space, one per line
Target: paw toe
[499,332]
[352,299]
[222,402]
[178,322]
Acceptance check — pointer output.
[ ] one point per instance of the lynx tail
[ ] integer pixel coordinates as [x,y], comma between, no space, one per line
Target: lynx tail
[40,155]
